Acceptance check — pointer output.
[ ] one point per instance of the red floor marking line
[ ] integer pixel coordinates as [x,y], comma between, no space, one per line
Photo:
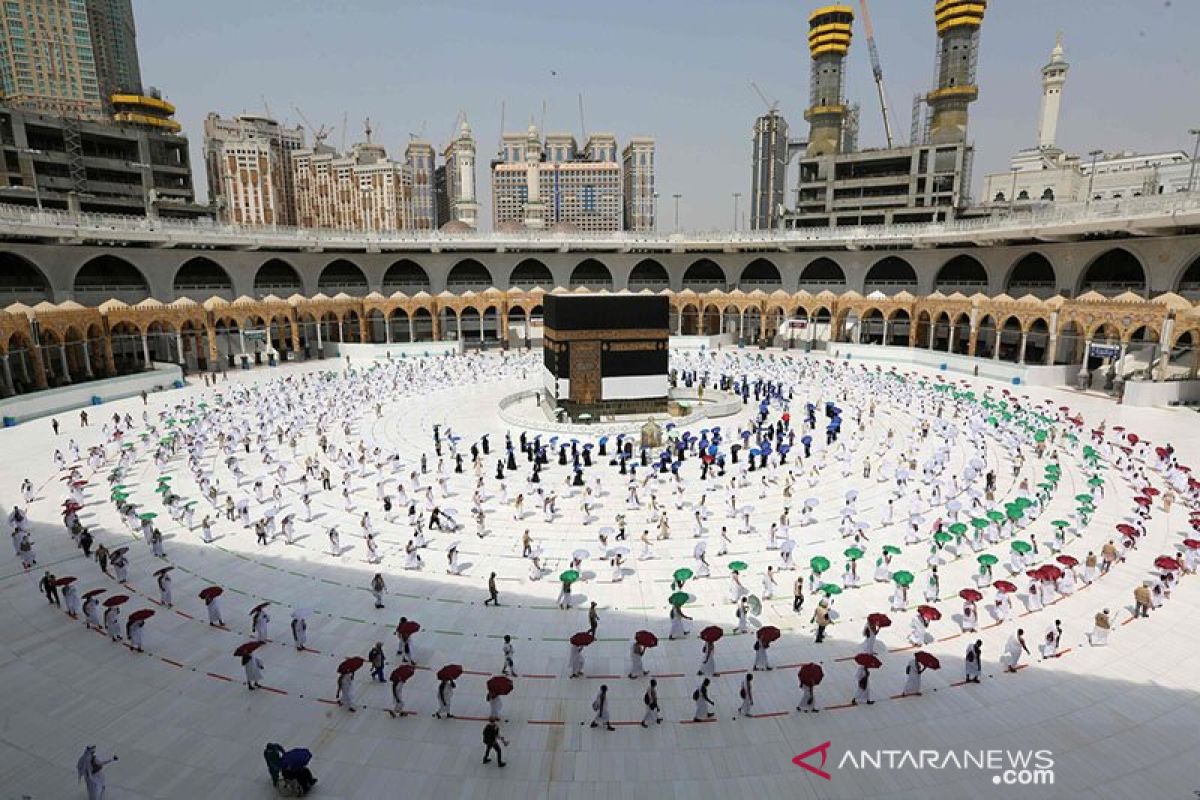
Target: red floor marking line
[326,702]
[474,672]
[220,677]
[546,722]
[837,707]
[902,696]
[951,636]
[471,719]
[843,658]
[768,714]
[697,721]
[1062,653]
[902,649]
[272,689]
[667,675]
[540,677]
[184,614]
[588,677]
[960,683]
[169,661]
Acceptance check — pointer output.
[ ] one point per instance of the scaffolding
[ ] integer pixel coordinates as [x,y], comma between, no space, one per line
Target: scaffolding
[73,144]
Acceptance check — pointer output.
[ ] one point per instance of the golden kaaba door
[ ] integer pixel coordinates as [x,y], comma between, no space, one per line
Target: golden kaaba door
[585,372]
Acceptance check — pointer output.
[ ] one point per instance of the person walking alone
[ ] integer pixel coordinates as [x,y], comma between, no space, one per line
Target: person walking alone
[492,741]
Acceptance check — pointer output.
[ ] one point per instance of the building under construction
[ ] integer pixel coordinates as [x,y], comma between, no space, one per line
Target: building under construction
[926,180]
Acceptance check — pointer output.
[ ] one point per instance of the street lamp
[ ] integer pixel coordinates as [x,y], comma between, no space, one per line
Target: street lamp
[677,196]
[1195,154]
[736,197]
[1092,173]
[37,192]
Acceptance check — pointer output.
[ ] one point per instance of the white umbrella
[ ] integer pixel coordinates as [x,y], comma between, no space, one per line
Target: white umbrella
[618,551]
[581,555]
[699,549]
[607,530]
[301,613]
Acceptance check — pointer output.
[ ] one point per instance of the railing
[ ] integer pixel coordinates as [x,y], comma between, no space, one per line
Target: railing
[1097,215]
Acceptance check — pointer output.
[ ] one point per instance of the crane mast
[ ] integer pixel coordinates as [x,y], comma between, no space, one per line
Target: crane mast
[877,70]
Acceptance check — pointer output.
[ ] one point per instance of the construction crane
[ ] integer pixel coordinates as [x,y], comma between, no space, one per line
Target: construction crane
[772,105]
[319,134]
[877,69]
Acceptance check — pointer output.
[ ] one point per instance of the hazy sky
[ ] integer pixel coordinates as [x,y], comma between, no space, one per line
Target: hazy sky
[679,70]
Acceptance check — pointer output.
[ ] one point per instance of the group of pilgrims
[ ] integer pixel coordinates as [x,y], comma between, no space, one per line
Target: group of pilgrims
[918,476]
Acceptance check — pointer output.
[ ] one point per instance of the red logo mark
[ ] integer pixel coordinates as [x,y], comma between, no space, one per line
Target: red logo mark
[800,761]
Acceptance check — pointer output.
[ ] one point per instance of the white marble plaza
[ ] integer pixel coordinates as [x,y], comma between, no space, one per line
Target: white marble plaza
[1120,720]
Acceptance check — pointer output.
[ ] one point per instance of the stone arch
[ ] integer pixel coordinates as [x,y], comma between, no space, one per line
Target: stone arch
[422,321]
[406,276]
[530,273]
[109,276]
[1037,341]
[963,273]
[1113,272]
[890,275]
[469,274]
[1032,274]
[591,274]
[899,327]
[277,277]
[648,274]
[200,278]
[984,344]
[822,273]
[22,281]
[342,275]
[761,273]
[1188,284]
[705,274]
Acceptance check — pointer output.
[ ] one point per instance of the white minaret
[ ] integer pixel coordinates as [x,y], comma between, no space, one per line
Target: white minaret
[535,209]
[466,210]
[1054,76]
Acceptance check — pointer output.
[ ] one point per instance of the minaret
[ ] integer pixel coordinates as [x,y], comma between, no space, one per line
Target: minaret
[465,209]
[829,33]
[535,209]
[958,23]
[1054,76]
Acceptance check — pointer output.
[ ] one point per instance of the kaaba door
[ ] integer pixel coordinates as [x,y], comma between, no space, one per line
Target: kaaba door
[585,372]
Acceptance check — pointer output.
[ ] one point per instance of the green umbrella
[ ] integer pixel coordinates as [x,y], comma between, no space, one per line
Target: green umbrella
[738,566]
[942,537]
[162,488]
[1084,498]
[682,575]
[903,577]
[164,478]
[891,549]
[1021,546]
[1046,487]
[819,563]
[1023,502]
[959,528]
[569,576]
[120,486]
[980,523]
[1014,512]
[678,599]
[1040,436]
[1060,523]
[853,553]
[1096,481]
[988,560]
[1053,468]
[830,589]
[149,515]
[995,516]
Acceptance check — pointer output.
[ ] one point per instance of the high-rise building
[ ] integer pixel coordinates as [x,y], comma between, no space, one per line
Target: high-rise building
[420,157]
[768,176]
[250,177]
[362,190]
[538,184]
[68,57]
[829,32]
[637,179]
[114,45]
[457,185]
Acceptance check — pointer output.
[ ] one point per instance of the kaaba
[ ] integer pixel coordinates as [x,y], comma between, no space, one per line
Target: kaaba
[606,353]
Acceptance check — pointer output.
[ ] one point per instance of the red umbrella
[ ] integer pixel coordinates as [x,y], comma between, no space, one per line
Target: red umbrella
[712,633]
[811,674]
[970,595]
[450,672]
[408,627]
[1064,409]
[71,505]
[116,600]
[68,579]
[877,620]
[1150,491]
[1161,452]
[1132,437]
[1127,529]
[1067,561]
[1050,572]
[582,639]
[927,660]
[1005,586]
[246,649]
[93,593]
[929,613]
[646,639]
[141,614]
[163,571]
[500,684]
[209,592]
[351,664]
[768,633]
[402,673]
[868,660]
[1191,544]
[1142,500]
[1162,562]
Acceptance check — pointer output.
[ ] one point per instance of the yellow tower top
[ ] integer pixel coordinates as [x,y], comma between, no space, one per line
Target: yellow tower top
[830,29]
[948,14]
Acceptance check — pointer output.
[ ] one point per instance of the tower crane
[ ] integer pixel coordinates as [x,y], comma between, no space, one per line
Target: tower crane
[319,134]
[772,105]
[877,70]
